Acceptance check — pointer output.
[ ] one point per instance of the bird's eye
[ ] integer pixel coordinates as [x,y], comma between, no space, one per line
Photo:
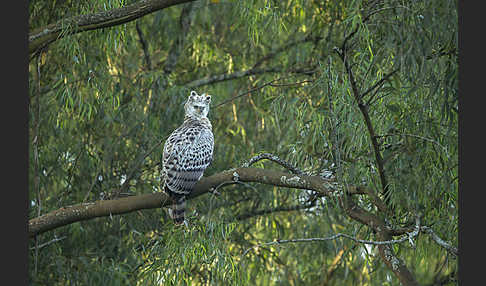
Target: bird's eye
[208,98]
[193,94]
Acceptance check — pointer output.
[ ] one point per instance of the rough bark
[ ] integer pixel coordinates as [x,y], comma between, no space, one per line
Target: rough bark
[43,36]
[86,211]
[383,233]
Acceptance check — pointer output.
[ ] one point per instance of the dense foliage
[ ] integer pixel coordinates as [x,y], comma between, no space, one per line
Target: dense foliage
[102,102]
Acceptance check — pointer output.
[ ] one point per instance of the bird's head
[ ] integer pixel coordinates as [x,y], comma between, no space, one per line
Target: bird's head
[197,105]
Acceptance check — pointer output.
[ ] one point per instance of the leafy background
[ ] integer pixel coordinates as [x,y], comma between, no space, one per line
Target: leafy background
[100,100]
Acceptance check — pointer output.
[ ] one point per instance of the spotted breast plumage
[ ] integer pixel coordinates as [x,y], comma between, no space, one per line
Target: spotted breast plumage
[187,153]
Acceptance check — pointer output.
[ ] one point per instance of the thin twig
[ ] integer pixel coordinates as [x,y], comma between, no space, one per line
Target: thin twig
[332,237]
[48,243]
[378,85]
[415,136]
[409,236]
[242,73]
[441,242]
[246,92]
[273,210]
[35,143]
[144,44]
[270,83]
[343,54]
[291,83]
[215,190]
[97,175]
[275,159]
[287,46]
[125,184]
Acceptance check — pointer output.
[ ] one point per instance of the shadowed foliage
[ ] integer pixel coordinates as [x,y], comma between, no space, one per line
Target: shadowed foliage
[335,126]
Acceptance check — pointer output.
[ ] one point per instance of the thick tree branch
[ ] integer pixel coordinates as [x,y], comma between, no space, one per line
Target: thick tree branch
[396,265]
[86,211]
[41,37]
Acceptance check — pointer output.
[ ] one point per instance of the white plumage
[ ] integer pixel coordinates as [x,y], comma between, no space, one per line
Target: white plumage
[187,153]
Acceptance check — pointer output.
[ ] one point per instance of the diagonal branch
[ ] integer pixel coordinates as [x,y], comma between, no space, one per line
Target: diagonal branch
[138,161]
[441,242]
[343,54]
[269,83]
[285,47]
[378,85]
[243,73]
[387,254]
[86,211]
[41,37]
[48,243]
[275,159]
[256,67]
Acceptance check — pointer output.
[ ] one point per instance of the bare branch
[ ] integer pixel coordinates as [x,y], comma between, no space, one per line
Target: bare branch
[336,236]
[275,159]
[245,93]
[367,120]
[270,83]
[352,190]
[239,74]
[441,242]
[48,243]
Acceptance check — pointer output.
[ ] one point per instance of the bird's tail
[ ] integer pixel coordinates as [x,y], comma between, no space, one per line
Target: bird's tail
[177,210]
